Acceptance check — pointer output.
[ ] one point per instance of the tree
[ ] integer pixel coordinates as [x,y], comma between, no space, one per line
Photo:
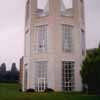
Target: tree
[3,68]
[90,71]
[14,74]
[9,76]
[14,68]
[2,72]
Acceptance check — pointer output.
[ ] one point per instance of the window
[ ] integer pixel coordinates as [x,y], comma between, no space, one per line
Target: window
[41,38]
[25,78]
[68,4]
[43,8]
[82,11]
[27,11]
[41,76]
[81,1]
[43,5]
[67,8]
[67,37]
[83,41]
[68,75]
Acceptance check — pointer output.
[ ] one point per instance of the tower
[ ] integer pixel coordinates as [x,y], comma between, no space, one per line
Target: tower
[54,46]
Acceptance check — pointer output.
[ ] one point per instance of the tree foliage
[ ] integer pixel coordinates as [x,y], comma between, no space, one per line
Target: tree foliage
[13,67]
[90,71]
[10,75]
[3,67]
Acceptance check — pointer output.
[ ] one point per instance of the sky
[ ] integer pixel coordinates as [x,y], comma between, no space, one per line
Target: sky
[12,16]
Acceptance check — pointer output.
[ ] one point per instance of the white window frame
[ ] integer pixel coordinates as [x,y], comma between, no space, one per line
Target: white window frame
[68,75]
[27,12]
[67,31]
[40,41]
[41,75]
[83,41]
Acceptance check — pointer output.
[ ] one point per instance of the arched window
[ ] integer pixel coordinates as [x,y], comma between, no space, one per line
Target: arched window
[41,75]
[42,7]
[67,8]
[27,11]
[68,4]
[42,4]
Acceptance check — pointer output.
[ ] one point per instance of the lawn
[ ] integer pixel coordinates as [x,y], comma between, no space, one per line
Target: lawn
[11,92]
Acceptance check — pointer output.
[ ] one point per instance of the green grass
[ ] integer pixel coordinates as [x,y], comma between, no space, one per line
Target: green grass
[11,92]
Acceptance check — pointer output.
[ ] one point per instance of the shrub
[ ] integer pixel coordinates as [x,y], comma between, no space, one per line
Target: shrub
[30,90]
[49,90]
[20,90]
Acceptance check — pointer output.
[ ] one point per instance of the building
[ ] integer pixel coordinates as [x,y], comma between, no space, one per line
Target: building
[54,45]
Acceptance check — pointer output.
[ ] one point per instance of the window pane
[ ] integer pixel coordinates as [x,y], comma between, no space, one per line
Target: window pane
[68,76]
[67,8]
[27,12]
[68,3]
[41,75]
[40,34]
[42,4]
[67,37]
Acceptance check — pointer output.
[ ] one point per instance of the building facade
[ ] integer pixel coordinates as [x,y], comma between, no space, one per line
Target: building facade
[54,45]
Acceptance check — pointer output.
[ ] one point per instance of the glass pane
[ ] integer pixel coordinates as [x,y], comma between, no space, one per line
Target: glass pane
[68,75]
[67,37]
[42,4]
[41,75]
[68,4]
[66,8]
[40,38]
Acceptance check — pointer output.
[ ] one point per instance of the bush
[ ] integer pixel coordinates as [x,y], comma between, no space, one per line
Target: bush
[49,90]
[30,90]
[90,71]
[20,90]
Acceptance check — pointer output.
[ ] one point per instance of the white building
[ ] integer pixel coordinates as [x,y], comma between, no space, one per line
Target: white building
[54,45]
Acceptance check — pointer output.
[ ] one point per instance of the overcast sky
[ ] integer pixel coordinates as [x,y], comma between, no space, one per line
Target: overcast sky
[12,14]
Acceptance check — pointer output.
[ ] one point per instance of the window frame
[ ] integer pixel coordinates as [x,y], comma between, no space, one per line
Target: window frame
[41,43]
[67,80]
[41,75]
[67,38]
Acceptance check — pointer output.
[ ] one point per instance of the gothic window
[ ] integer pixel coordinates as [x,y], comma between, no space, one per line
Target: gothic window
[43,8]
[68,4]
[67,8]
[27,11]
[81,1]
[41,75]
[43,5]
[67,37]
[82,10]
[83,41]
[25,78]
[41,38]
[68,76]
